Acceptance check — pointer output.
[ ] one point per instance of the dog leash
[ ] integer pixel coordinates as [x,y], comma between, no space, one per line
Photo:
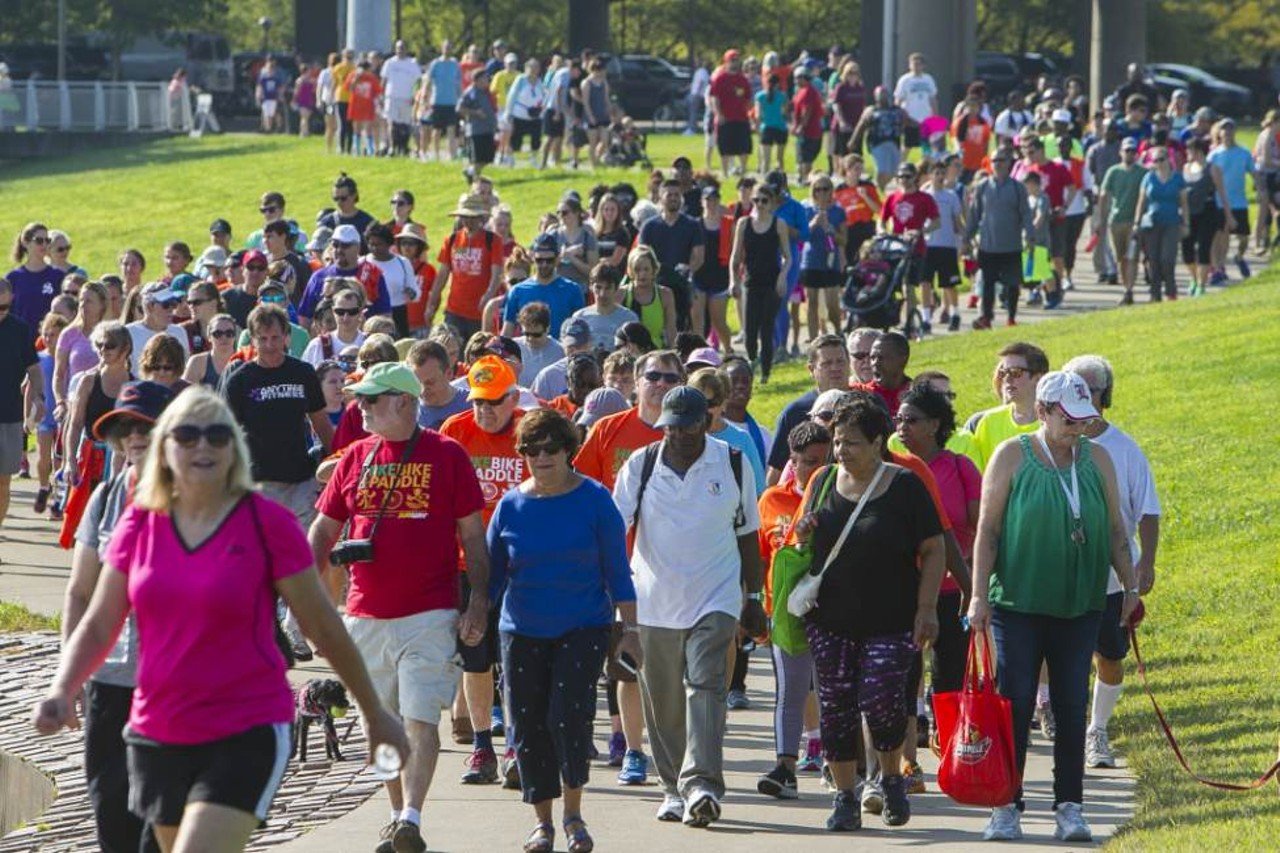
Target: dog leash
[1272,772]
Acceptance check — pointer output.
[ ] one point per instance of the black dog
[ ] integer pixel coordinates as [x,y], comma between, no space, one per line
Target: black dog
[318,699]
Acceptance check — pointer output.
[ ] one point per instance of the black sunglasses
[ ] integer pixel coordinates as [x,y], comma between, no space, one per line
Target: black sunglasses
[346,312]
[223,333]
[188,436]
[550,448]
[662,376]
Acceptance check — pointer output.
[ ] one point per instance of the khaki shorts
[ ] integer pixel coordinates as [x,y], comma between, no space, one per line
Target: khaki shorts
[411,660]
[298,498]
[11,449]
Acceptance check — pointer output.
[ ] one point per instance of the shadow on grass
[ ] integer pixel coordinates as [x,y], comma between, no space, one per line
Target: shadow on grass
[158,152]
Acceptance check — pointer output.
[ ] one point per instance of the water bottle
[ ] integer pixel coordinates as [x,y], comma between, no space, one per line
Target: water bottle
[386,763]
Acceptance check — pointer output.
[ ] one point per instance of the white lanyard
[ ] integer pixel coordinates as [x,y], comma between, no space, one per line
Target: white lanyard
[1072,493]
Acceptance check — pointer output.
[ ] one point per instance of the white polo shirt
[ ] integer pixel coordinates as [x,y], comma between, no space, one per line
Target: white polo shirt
[686,562]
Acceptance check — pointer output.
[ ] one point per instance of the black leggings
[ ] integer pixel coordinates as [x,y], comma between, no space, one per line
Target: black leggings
[345,129]
[762,310]
[1075,225]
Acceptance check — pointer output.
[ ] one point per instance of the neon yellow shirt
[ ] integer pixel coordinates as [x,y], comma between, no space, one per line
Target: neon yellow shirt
[960,442]
[992,427]
[502,81]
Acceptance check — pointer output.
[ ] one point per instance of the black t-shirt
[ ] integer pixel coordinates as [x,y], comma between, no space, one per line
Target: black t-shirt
[272,404]
[794,414]
[360,219]
[17,353]
[871,588]
[674,243]
[239,303]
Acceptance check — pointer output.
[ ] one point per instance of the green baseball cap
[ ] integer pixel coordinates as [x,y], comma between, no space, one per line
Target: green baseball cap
[387,377]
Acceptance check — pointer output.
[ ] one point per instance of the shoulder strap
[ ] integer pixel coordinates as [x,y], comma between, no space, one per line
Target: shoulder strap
[735,462]
[853,517]
[813,497]
[646,471]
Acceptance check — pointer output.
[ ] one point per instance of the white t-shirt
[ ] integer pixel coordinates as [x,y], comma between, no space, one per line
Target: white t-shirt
[324,87]
[140,334]
[397,272]
[680,577]
[1136,485]
[700,83]
[399,77]
[314,353]
[1009,123]
[915,94]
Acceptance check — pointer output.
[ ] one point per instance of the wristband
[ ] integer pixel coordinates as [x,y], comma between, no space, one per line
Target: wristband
[1133,591]
[755,596]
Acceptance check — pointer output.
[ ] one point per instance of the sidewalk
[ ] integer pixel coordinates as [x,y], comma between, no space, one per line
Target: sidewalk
[321,798]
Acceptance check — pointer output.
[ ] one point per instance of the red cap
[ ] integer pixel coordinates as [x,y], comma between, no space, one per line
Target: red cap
[254,256]
[730,55]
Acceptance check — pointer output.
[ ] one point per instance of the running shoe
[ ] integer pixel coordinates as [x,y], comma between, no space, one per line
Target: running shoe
[385,835]
[914,774]
[926,328]
[981,323]
[845,814]
[811,761]
[1068,284]
[1245,272]
[702,809]
[407,838]
[1071,825]
[897,807]
[635,768]
[1097,749]
[738,700]
[780,783]
[672,808]
[1127,298]
[1045,722]
[42,501]
[1035,297]
[510,770]
[954,323]
[873,796]
[945,316]
[496,723]
[1053,300]
[482,768]
[617,749]
[1005,824]
[55,511]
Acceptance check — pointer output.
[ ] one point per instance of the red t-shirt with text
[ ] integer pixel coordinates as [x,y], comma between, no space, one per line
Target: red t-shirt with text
[909,212]
[733,92]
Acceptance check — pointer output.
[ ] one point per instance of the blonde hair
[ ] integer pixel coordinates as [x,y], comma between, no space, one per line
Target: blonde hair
[713,384]
[195,404]
[646,252]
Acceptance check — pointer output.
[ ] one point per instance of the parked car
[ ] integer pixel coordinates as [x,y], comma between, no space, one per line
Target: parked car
[1000,72]
[1206,90]
[205,56]
[646,87]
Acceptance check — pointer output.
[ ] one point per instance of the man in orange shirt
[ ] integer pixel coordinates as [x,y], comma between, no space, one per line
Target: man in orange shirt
[471,259]
[487,433]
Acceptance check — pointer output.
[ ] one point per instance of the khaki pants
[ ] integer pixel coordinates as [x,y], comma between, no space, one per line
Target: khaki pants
[683,682]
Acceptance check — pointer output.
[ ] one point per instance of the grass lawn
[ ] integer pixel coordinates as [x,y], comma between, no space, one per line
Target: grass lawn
[1193,378]
[15,617]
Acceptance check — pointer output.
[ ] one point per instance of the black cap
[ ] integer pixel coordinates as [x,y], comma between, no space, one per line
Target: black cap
[505,347]
[776,179]
[683,406]
[141,400]
[220,226]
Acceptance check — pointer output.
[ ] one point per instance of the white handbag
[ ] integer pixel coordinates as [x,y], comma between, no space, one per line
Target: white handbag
[804,596]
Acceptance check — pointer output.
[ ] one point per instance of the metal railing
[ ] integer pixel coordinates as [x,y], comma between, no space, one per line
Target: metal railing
[95,106]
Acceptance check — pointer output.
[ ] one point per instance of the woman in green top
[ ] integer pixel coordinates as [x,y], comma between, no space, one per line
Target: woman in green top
[652,302]
[1049,529]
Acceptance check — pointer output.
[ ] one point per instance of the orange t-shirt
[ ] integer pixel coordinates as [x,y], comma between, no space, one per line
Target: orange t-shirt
[611,442]
[493,454]
[856,207]
[365,88]
[417,308]
[471,261]
[974,137]
[563,405]
[778,508]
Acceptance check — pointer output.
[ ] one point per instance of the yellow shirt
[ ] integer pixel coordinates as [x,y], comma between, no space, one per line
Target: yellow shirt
[960,442]
[992,427]
[341,72]
[502,81]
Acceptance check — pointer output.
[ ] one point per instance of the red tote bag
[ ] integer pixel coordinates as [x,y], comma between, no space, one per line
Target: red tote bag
[978,765]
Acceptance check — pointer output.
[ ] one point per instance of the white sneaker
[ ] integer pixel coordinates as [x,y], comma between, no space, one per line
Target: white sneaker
[1005,824]
[672,808]
[1071,823]
[703,809]
[1097,749]
[872,796]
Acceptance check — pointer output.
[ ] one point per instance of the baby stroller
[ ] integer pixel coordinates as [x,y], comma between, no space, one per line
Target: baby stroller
[626,146]
[873,290]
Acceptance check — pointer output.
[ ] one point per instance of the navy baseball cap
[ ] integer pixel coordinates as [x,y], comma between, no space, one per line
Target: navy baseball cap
[140,400]
[683,406]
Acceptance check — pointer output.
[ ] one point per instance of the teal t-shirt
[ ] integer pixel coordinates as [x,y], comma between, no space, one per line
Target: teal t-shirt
[771,109]
[1122,183]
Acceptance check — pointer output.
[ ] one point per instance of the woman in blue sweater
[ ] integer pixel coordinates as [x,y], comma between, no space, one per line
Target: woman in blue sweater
[558,584]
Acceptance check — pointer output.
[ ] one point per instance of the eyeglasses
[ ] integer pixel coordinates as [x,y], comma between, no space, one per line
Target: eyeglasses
[63,248]
[100,346]
[129,427]
[270,208]
[823,189]
[372,399]
[341,198]
[1011,372]
[188,436]
[399,202]
[862,356]
[662,376]
[223,334]
[256,268]
[760,199]
[346,312]
[533,451]
[338,244]
[535,335]
[163,368]
[542,261]
[906,419]
[1159,159]
[40,241]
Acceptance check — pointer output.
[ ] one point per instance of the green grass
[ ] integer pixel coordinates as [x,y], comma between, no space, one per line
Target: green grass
[15,618]
[1193,381]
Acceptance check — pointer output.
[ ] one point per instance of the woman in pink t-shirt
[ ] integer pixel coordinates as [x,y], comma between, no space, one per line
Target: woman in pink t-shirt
[199,558]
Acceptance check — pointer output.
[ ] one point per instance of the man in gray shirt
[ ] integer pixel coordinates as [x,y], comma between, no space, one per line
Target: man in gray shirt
[1101,156]
[1001,220]
[480,111]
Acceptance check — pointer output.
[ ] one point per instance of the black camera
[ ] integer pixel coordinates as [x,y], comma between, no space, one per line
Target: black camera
[351,551]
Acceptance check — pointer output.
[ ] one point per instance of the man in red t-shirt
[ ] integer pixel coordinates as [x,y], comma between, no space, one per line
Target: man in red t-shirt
[411,495]
[470,259]
[807,110]
[488,434]
[1060,188]
[731,102]
[911,214]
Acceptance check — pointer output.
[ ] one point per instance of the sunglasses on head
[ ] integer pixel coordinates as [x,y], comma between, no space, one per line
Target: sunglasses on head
[188,435]
[274,299]
[533,451]
[662,376]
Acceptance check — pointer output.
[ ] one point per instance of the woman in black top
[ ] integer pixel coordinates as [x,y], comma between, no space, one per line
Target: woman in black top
[761,257]
[874,608]
[613,234]
[711,281]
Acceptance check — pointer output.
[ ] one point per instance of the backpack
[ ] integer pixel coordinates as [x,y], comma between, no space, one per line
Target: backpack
[651,459]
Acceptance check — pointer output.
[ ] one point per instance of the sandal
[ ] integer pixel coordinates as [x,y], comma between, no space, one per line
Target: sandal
[579,839]
[541,840]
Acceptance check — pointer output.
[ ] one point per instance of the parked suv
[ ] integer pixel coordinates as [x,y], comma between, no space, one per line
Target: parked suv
[1228,99]
[647,87]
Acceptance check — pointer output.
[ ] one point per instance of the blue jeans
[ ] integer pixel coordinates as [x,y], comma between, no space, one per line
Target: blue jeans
[1023,642]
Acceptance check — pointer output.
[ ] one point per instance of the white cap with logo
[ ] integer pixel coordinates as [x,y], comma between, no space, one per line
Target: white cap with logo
[1068,390]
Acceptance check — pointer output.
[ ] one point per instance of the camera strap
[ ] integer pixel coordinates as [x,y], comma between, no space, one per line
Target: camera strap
[409,447]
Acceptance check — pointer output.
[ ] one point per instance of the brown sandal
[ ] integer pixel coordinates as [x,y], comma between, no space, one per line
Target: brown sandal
[541,840]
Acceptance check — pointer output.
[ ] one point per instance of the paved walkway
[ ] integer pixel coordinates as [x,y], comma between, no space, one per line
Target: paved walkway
[340,808]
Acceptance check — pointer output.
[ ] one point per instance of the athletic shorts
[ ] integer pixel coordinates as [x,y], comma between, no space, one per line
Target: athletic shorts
[482,150]
[12,448]
[887,156]
[242,772]
[942,266]
[911,134]
[1057,238]
[269,108]
[412,660]
[1241,218]
[553,123]
[733,138]
[773,136]
[399,110]
[482,656]
[819,279]
[807,149]
[1113,638]
[444,116]
[1272,184]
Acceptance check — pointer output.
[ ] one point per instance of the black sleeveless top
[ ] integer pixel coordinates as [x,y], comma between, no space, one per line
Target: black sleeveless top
[97,405]
[763,253]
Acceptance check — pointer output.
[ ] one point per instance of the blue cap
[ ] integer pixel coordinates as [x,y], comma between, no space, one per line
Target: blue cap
[546,243]
[683,406]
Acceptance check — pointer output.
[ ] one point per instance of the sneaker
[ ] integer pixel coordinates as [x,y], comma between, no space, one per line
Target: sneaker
[702,809]
[1068,284]
[873,796]
[954,324]
[981,323]
[926,328]
[1005,824]
[55,512]
[510,771]
[672,808]
[1245,272]
[496,723]
[1035,297]
[617,749]
[897,807]
[482,768]
[973,301]
[828,780]
[945,316]
[635,768]
[407,838]
[42,501]
[463,734]
[780,783]
[1071,823]
[1044,720]
[795,350]
[385,835]
[845,814]
[914,774]
[1011,322]
[1097,749]
[811,762]
[738,700]
[1053,300]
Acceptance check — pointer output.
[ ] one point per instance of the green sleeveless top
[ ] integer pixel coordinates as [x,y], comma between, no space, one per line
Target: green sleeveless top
[1040,568]
[652,317]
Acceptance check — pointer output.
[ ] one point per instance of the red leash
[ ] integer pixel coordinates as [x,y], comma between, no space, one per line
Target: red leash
[1272,772]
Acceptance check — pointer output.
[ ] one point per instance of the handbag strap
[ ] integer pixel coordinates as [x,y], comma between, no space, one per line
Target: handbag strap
[853,517]
[987,682]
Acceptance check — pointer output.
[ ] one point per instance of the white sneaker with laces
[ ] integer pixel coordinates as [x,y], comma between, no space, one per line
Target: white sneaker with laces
[672,808]
[1071,823]
[702,809]
[1005,824]
[1097,749]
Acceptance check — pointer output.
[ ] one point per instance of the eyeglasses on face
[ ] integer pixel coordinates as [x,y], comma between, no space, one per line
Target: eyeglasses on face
[341,198]
[862,355]
[40,240]
[489,404]
[268,208]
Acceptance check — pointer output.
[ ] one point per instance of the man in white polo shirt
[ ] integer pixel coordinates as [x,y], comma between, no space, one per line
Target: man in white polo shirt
[690,595]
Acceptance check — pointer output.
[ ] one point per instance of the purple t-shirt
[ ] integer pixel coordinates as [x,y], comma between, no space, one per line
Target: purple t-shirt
[33,293]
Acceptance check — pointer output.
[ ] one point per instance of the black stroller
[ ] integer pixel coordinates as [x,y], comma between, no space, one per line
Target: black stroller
[873,289]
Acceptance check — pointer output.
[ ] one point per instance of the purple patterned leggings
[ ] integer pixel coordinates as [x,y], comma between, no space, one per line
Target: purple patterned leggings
[857,677]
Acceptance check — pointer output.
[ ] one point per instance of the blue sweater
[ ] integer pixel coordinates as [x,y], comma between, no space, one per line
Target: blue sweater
[562,561]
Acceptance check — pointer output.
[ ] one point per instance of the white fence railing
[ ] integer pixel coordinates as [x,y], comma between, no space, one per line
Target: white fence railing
[95,106]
